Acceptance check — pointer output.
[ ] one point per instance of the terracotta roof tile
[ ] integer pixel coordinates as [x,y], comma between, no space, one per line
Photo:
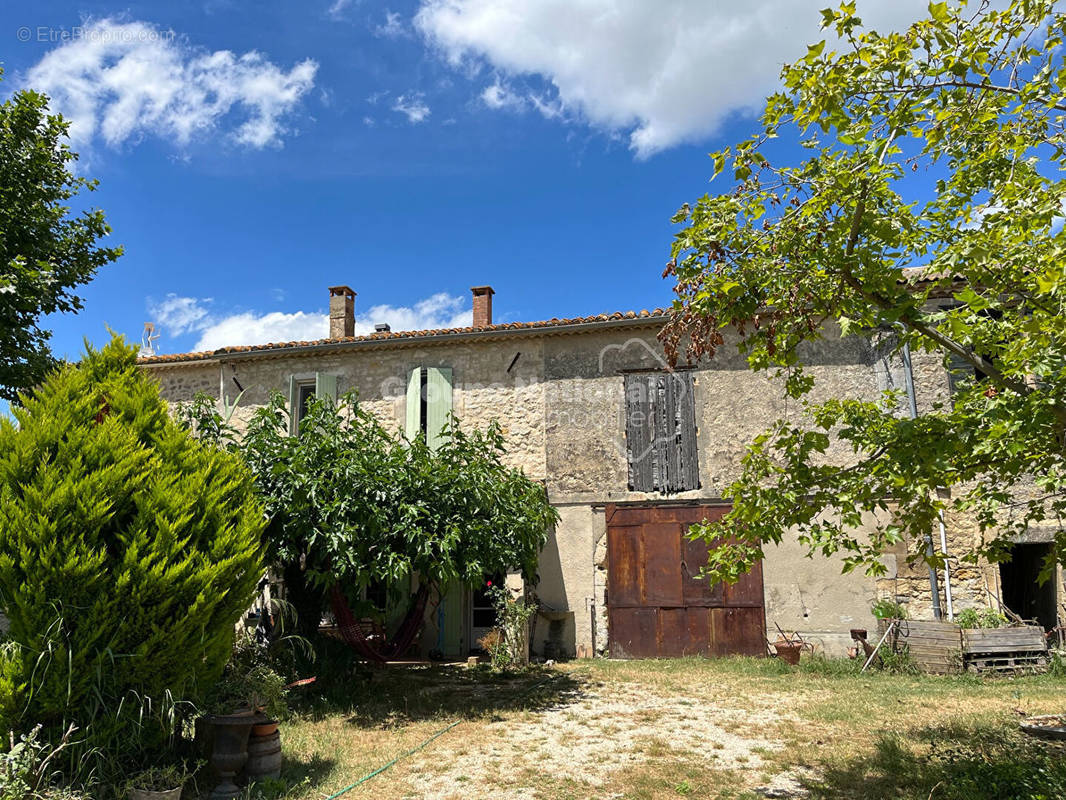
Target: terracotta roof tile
[402,335]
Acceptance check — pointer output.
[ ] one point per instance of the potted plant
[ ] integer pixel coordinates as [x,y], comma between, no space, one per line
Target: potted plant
[158,783]
[249,690]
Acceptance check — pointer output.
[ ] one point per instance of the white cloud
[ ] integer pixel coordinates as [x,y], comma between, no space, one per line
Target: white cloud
[180,315]
[499,95]
[251,328]
[441,310]
[413,106]
[392,28]
[337,9]
[663,72]
[120,81]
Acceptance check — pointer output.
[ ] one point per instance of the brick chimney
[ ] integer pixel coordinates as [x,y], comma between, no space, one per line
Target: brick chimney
[482,305]
[341,312]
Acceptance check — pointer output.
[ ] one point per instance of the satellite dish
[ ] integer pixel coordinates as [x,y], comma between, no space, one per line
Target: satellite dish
[148,339]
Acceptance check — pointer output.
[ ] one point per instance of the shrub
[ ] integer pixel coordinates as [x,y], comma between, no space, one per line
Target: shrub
[507,643]
[887,609]
[985,618]
[129,552]
[28,765]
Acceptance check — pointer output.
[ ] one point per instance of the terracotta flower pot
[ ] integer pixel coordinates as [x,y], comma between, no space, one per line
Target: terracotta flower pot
[789,652]
[265,728]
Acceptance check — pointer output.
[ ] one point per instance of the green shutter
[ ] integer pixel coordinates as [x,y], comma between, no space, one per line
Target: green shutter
[450,618]
[294,405]
[414,404]
[326,386]
[438,403]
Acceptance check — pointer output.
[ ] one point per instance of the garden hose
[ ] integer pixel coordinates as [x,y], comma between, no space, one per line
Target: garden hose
[414,750]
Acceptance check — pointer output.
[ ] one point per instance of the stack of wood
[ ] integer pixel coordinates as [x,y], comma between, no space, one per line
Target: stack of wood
[944,647]
[1020,648]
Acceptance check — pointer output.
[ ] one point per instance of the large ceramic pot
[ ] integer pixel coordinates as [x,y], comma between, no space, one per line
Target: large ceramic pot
[230,751]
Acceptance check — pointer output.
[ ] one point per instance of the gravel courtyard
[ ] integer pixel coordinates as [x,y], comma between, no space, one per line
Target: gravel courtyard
[736,728]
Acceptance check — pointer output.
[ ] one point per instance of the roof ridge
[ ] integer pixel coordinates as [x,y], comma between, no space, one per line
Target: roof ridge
[384,336]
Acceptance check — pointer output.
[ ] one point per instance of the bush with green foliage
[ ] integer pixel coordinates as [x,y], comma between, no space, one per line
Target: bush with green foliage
[350,503]
[888,609]
[983,618]
[129,551]
[508,643]
[28,765]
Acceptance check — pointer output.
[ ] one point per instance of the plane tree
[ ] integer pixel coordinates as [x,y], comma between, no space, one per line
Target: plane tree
[940,147]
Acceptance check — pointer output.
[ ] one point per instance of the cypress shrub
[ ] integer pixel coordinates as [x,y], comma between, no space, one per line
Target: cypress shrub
[128,552]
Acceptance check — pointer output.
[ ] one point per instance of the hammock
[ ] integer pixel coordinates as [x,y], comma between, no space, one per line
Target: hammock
[351,630]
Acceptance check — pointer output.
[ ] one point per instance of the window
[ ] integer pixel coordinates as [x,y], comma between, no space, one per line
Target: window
[961,373]
[429,403]
[661,432]
[301,389]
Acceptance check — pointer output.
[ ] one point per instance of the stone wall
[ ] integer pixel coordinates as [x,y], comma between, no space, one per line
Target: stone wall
[587,468]
[560,401]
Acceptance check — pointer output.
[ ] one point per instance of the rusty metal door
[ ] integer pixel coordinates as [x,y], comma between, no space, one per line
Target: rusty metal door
[656,606]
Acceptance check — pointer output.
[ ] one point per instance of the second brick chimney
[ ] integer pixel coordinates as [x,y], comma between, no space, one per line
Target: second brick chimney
[482,305]
[341,312]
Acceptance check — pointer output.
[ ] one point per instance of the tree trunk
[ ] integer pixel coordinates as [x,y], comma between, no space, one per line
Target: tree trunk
[307,600]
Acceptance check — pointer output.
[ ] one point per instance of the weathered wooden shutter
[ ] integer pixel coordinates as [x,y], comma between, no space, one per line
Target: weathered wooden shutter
[639,427]
[664,406]
[688,469]
[661,432]
[413,425]
[438,403]
[294,406]
[326,386]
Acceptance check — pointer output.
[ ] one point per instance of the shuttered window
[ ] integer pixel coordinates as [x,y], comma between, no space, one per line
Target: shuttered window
[960,372]
[661,432]
[429,403]
[302,389]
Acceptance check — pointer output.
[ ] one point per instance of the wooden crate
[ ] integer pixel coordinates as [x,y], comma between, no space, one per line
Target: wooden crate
[944,647]
[1004,650]
[934,646]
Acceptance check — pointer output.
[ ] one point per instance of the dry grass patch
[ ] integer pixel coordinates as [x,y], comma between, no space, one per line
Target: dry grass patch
[733,728]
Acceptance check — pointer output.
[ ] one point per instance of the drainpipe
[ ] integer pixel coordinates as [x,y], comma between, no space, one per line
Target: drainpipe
[912,403]
[947,569]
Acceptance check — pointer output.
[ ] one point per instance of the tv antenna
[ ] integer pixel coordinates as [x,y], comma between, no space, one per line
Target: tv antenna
[148,339]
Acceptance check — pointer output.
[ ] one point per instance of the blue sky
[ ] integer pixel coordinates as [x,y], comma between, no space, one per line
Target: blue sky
[252,154]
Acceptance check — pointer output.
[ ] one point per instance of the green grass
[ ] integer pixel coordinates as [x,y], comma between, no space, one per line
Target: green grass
[844,734]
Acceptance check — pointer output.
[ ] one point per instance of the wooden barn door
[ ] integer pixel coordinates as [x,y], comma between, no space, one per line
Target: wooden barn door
[656,607]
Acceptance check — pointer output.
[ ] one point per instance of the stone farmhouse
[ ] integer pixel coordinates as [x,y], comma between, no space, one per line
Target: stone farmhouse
[630,452]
